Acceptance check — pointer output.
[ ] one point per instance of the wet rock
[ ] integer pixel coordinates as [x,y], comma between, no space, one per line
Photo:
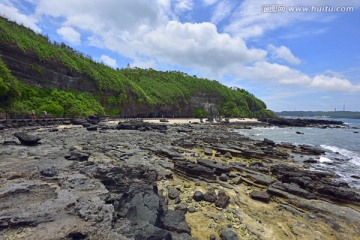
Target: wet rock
[2,127]
[223,177]
[300,133]
[173,193]
[307,149]
[198,196]
[340,193]
[260,196]
[164,120]
[217,166]
[27,139]
[77,155]
[228,235]
[53,130]
[228,155]
[268,142]
[175,221]
[210,196]
[223,200]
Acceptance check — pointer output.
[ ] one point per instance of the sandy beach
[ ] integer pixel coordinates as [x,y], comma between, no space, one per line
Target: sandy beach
[172,121]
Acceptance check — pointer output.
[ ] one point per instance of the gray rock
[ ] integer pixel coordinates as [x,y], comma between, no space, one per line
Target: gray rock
[217,166]
[173,193]
[175,221]
[49,172]
[27,139]
[223,177]
[191,209]
[92,128]
[208,151]
[77,155]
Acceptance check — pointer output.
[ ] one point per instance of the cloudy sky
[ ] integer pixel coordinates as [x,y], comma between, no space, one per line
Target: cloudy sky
[306,60]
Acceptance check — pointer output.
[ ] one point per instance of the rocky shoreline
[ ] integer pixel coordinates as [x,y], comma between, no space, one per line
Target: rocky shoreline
[135,180]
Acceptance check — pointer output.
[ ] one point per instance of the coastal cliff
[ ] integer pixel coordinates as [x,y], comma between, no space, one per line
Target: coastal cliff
[36,73]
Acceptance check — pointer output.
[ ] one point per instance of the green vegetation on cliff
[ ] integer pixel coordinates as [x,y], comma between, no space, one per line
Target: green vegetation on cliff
[115,89]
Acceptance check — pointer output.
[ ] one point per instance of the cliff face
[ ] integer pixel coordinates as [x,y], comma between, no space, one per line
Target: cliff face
[28,68]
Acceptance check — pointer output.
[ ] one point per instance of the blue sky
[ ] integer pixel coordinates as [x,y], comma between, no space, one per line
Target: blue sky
[305,60]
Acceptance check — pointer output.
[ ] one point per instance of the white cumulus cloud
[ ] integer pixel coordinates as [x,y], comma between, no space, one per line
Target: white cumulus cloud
[283,53]
[69,35]
[198,45]
[109,61]
[13,14]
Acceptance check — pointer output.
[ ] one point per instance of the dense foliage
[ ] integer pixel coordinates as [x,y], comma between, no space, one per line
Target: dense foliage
[115,87]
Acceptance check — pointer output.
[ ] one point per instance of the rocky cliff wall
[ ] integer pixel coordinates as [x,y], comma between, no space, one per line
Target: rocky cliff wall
[28,68]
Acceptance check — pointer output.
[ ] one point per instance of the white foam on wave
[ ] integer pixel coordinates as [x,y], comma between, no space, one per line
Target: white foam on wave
[325,160]
[353,156]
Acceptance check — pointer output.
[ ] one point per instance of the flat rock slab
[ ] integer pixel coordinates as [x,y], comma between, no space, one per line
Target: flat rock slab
[217,166]
[260,196]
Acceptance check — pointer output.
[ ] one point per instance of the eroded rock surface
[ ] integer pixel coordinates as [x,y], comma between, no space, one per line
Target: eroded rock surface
[158,183]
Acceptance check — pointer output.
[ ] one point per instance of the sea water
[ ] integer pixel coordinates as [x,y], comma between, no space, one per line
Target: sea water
[342,146]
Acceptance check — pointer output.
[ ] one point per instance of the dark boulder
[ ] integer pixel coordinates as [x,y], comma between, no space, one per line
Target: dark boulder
[210,196]
[93,120]
[198,196]
[260,196]
[228,235]
[223,200]
[27,139]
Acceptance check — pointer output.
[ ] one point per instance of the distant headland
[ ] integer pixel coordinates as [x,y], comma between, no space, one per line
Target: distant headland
[332,114]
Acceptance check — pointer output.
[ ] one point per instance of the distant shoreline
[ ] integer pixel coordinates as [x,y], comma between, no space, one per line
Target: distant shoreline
[322,114]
